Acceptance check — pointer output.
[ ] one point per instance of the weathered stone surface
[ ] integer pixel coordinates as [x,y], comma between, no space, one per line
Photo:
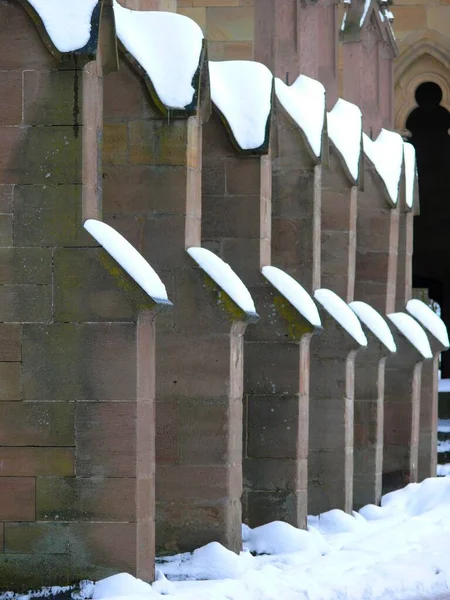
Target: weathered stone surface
[10,383]
[36,424]
[18,499]
[10,342]
[26,462]
[51,97]
[25,303]
[25,266]
[90,362]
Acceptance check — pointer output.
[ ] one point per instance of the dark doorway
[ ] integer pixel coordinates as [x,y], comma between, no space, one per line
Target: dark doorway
[429,125]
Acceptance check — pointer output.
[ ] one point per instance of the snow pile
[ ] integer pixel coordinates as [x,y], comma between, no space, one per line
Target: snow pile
[68,24]
[242,91]
[443,470]
[304,100]
[443,446]
[410,172]
[224,276]
[375,322]
[429,319]
[294,292]
[386,154]
[344,130]
[413,332]
[122,584]
[444,425]
[168,46]
[341,312]
[281,538]
[128,258]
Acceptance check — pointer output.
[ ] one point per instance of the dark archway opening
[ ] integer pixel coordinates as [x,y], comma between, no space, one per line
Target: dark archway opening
[429,125]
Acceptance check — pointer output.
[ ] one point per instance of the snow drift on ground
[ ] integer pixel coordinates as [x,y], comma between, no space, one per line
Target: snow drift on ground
[398,550]
[242,91]
[168,46]
[68,24]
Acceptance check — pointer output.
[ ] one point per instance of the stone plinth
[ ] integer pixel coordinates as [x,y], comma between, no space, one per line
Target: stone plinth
[402,412]
[331,414]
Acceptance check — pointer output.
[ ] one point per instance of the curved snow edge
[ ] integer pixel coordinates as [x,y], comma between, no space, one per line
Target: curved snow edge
[129,259]
[342,313]
[413,332]
[294,293]
[225,277]
[375,322]
[429,319]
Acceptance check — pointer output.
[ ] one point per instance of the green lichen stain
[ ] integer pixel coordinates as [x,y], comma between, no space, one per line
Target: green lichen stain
[124,281]
[297,326]
[229,306]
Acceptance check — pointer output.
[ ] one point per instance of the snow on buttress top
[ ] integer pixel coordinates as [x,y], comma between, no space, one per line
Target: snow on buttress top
[224,276]
[304,100]
[386,154]
[344,130]
[410,172]
[128,258]
[168,47]
[242,91]
[375,322]
[294,292]
[429,319]
[67,22]
[413,332]
[342,313]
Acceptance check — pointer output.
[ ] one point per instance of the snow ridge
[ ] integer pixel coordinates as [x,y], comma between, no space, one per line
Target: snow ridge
[386,154]
[429,319]
[128,258]
[413,332]
[294,292]
[410,172]
[342,313]
[224,276]
[344,130]
[375,322]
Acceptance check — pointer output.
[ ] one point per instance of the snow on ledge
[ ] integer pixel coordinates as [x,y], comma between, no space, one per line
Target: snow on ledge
[410,172]
[168,46]
[225,277]
[429,319]
[342,313]
[294,292]
[68,24]
[304,100]
[413,332]
[128,258]
[375,322]
[344,130]
[242,91]
[386,154]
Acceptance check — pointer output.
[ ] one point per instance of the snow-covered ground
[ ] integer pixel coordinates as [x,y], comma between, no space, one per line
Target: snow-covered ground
[400,551]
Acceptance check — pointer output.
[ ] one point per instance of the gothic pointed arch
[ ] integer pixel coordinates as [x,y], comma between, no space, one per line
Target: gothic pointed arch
[424,57]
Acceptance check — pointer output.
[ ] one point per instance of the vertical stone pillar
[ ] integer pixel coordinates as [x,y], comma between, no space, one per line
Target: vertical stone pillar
[77,434]
[333,354]
[438,338]
[377,232]
[339,213]
[152,193]
[405,250]
[237,223]
[369,406]
[402,402]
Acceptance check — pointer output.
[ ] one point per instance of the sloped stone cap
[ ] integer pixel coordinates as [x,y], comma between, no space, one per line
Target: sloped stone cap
[375,323]
[413,332]
[342,314]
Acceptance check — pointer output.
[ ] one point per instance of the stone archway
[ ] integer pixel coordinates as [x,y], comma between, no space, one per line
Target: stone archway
[425,120]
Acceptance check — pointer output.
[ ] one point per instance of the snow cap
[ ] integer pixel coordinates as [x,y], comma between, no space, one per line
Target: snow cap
[225,277]
[129,259]
[294,292]
[344,130]
[242,91]
[375,322]
[168,47]
[304,100]
[342,313]
[386,155]
[413,332]
[429,319]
